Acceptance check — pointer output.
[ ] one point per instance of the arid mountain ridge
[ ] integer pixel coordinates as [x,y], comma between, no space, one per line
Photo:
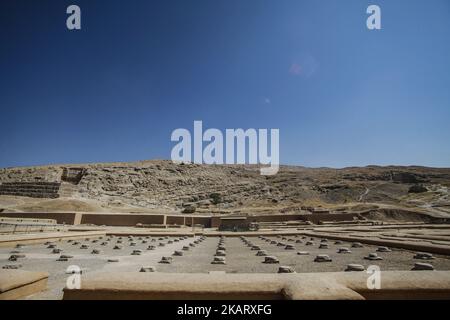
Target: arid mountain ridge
[156,185]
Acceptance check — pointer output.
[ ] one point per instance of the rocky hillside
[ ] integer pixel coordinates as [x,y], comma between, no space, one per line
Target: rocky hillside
[163,185]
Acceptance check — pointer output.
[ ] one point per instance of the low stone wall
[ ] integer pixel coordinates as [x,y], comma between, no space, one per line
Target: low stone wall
[27,239]
[126,219]
[131,219]
[328,217]
[310,286]
[403,244]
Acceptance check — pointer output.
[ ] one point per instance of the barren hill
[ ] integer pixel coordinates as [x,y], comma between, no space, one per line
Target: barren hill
[162,185]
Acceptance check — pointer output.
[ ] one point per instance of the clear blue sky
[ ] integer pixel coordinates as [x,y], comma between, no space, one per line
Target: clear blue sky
[340,94]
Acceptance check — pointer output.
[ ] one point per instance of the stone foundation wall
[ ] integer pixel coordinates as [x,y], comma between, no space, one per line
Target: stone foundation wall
[30,189]
[116,219]
[60,217]
[129,219]
[314,218]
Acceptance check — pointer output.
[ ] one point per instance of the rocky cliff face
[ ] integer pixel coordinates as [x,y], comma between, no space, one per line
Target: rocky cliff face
[209,188]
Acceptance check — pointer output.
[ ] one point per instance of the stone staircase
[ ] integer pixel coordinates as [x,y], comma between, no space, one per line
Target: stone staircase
[67,190]
[31,189]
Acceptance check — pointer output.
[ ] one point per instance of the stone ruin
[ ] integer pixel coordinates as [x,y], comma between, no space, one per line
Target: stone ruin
[38,189]
[73,175]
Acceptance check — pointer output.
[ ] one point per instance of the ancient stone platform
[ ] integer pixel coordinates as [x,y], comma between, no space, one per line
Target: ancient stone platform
[15,284]
[31,189]
[313,286]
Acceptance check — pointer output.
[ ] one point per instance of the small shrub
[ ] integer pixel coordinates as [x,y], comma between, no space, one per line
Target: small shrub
[216,198]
